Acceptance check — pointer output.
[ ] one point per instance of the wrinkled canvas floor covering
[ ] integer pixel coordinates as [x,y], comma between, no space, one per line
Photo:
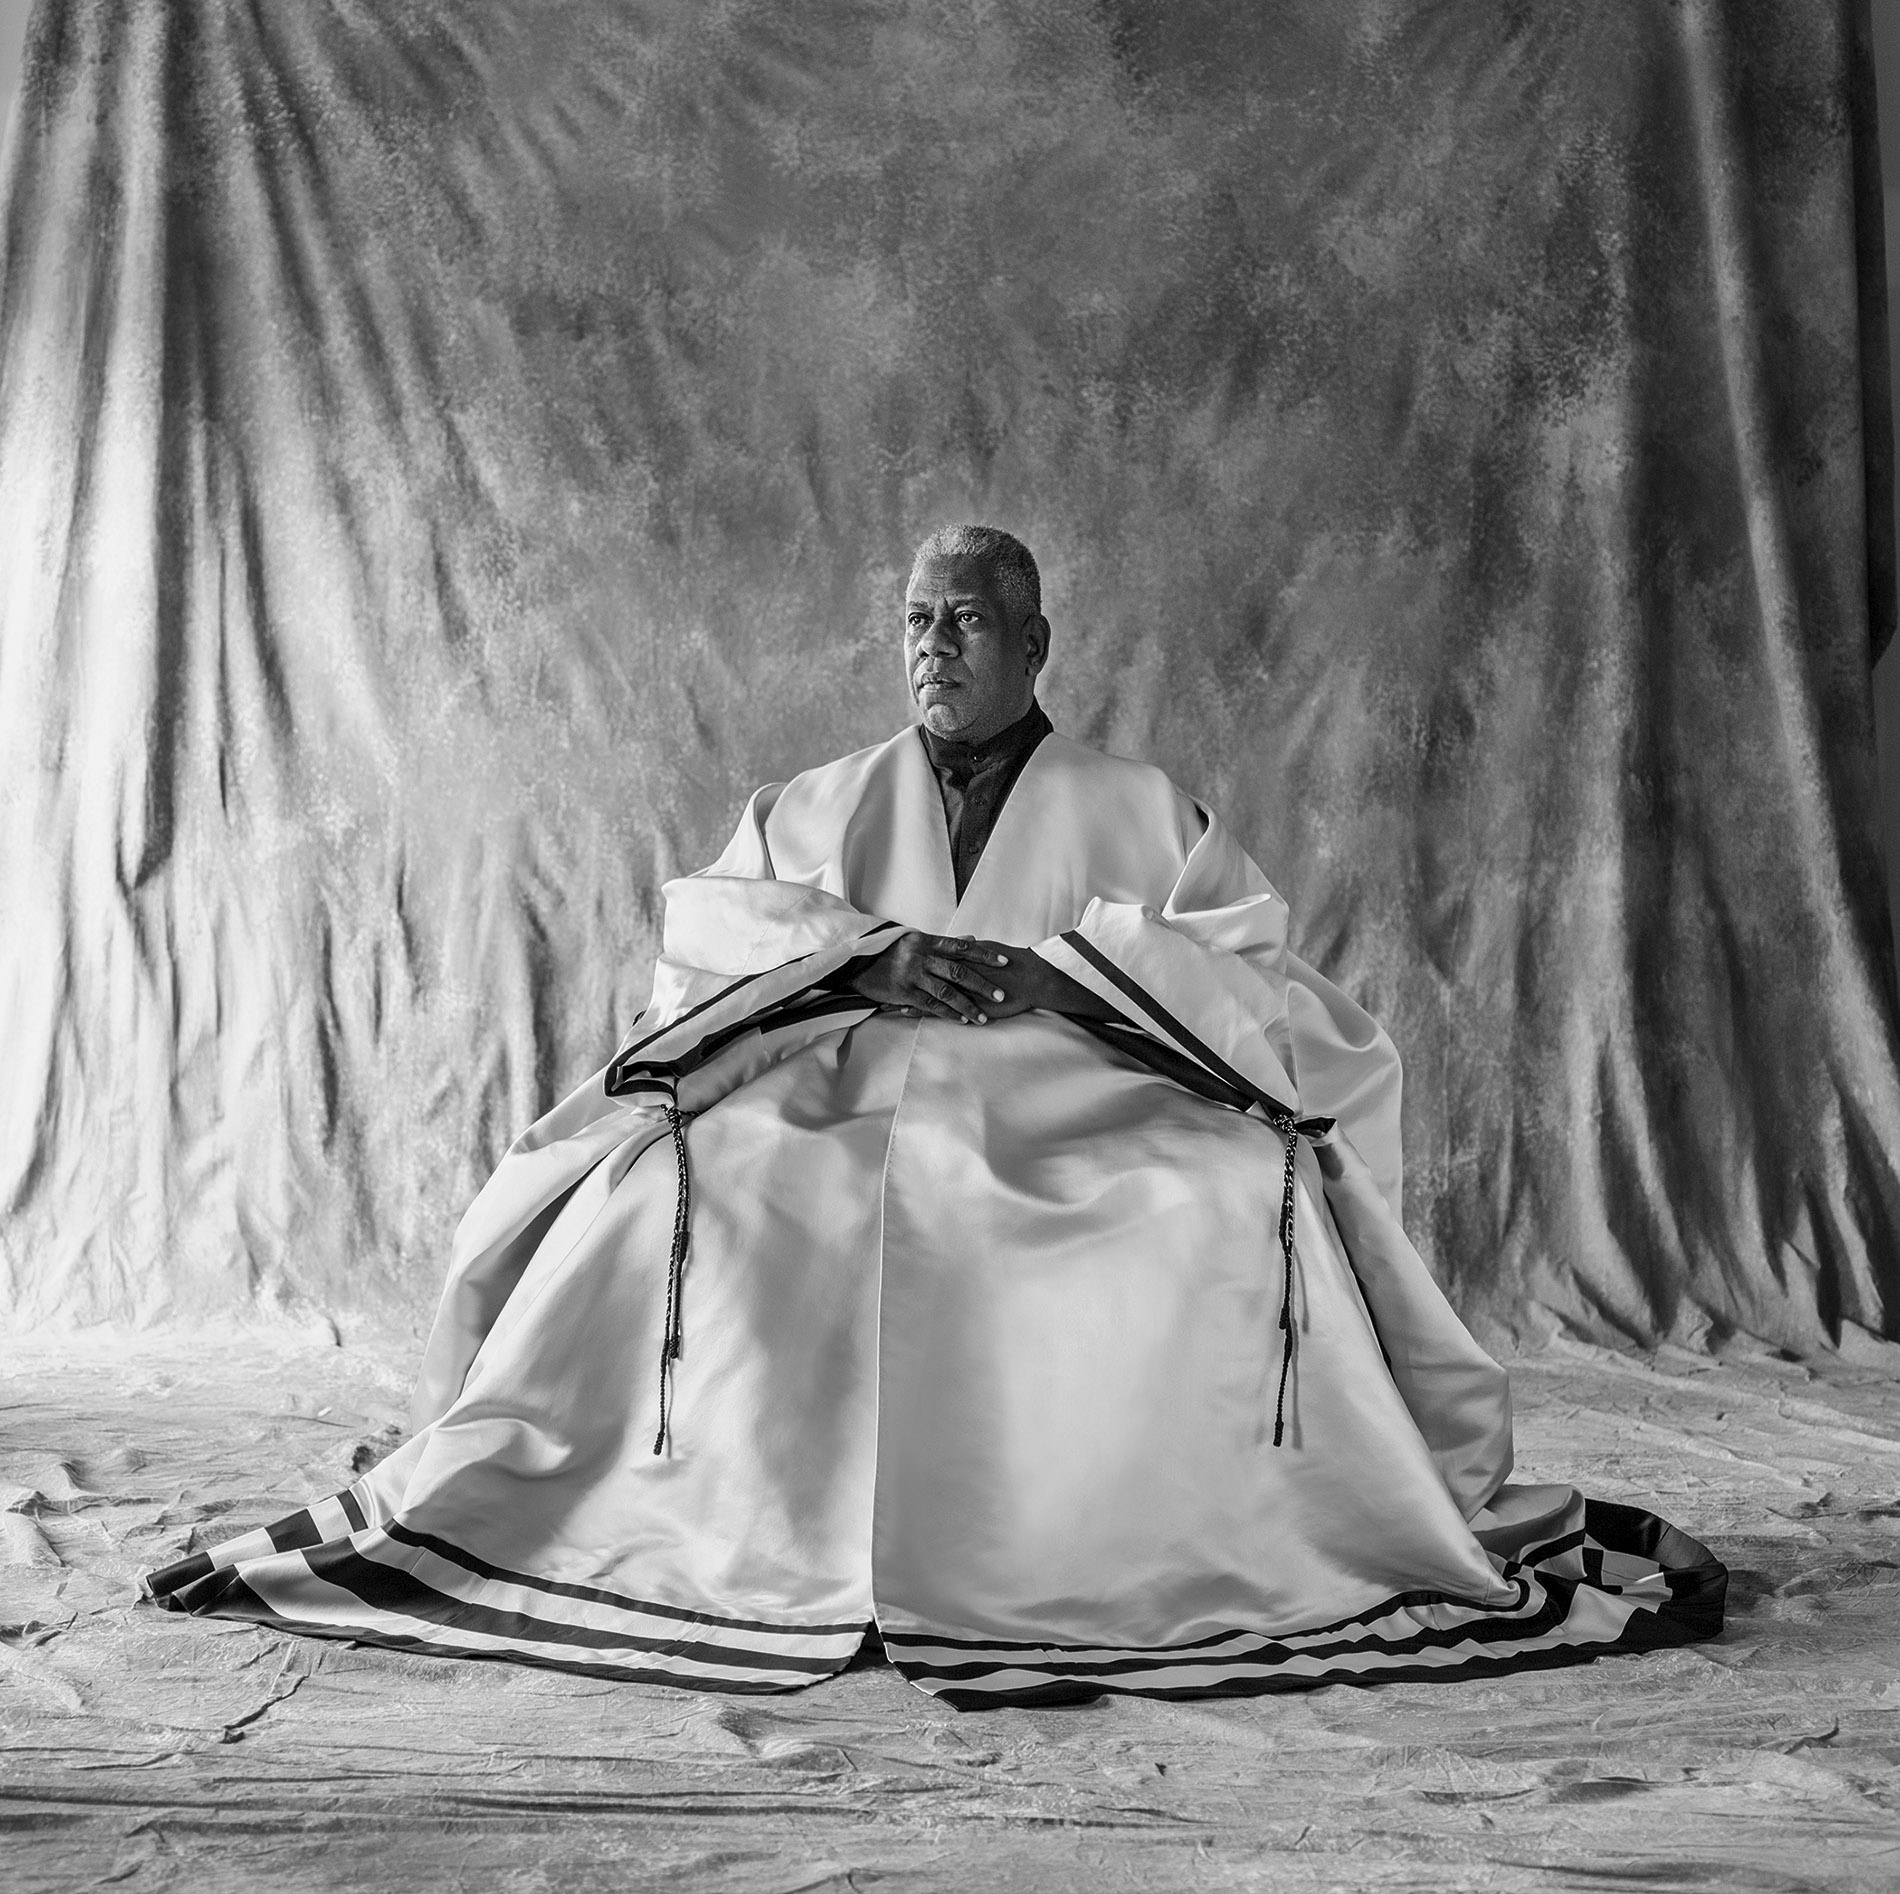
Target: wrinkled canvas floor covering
[145,1751]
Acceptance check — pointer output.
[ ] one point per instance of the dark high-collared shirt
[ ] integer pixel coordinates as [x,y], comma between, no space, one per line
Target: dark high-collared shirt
[976,779]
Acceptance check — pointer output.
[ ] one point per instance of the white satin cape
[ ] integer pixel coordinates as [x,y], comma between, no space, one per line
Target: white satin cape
[979,1326]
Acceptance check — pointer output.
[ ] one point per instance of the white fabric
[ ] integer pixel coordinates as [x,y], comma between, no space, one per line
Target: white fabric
[980,1323]
[981,1326]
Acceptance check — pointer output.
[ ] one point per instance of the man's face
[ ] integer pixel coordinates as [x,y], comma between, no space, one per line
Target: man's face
[972,667]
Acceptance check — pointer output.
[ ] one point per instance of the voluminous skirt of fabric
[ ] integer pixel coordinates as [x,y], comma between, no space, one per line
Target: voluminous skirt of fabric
[982,1344]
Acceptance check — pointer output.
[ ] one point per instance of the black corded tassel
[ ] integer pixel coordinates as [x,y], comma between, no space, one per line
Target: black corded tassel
[1286,1297]
[673,1332]
[1292,1130]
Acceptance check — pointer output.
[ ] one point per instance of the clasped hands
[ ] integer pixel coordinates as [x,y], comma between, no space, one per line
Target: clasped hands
[931,976]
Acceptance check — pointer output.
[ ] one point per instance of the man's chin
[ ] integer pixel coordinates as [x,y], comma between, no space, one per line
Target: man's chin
[946,720]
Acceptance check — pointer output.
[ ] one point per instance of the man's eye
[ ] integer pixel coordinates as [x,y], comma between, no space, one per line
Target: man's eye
[969,618]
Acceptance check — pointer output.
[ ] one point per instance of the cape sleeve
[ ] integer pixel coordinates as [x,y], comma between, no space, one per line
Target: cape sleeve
[744,958]
[1208,978]
[737,987]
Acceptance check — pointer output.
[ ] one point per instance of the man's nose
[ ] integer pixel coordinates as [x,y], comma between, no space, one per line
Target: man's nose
[939,639]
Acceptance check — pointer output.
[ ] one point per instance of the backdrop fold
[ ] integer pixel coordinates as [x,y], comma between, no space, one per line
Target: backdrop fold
[449,454]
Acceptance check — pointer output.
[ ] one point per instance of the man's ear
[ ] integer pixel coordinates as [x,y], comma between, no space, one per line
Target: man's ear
[1036,635]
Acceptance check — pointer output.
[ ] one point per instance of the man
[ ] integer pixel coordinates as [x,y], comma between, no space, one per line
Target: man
[989,1232]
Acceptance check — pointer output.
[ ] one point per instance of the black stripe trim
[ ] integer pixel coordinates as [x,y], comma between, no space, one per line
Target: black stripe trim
[176,1576]
[1398,1601]
[693,1012]
[623,1075]
[391,1588]
[611,1673]
[786,1013]
[726,993]
[1692,1611]
[1275,1655]
[237,1600]
[352,1511]
[1554,1548]
[797,1011]
[663,1075]
[294,1532]
[1209,1645]
[593,1595]
[1161,1058]
[1189,1042]
[1477,1666]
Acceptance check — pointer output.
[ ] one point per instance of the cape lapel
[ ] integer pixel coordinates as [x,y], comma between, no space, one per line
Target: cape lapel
[1077,826]
[1005,897]
[897,852]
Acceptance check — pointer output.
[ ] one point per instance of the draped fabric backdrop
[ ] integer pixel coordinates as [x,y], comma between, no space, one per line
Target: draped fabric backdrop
[450,453]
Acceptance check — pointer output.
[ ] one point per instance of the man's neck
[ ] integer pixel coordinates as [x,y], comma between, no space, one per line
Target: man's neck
[966,750]
[976,779]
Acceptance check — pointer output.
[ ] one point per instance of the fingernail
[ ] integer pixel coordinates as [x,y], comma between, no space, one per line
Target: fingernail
[996,992]
[983,1019]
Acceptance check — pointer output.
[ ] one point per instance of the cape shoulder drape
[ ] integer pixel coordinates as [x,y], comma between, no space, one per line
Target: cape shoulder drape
[1077,1355]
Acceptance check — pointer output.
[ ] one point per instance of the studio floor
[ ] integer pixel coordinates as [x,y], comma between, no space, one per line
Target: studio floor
[143,1751]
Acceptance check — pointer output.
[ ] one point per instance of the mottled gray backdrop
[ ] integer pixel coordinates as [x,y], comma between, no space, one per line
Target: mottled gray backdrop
[450,453]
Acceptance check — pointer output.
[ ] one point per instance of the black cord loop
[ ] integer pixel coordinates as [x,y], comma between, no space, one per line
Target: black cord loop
[1293,1130]
[673,1331]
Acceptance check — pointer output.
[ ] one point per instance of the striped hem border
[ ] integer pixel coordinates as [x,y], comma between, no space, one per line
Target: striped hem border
[1626,1582]
[391,1585]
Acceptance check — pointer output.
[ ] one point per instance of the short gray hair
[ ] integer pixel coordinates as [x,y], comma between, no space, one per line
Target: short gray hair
[1011,565]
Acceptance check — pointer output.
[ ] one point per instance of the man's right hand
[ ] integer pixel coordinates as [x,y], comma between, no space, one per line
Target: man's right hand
[930,976]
